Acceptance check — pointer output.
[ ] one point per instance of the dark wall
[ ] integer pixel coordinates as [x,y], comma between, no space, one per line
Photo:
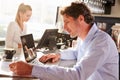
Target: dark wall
[110,21]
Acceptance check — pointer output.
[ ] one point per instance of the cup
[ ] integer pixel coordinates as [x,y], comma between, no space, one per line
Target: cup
[8,53]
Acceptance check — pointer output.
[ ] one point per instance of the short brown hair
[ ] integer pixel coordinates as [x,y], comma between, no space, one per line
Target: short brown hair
[76,9]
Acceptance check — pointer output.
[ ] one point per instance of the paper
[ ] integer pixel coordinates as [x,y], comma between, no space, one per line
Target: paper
[5,71]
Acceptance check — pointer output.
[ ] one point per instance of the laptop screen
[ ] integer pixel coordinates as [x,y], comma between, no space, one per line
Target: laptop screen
[48,40]
[28,47]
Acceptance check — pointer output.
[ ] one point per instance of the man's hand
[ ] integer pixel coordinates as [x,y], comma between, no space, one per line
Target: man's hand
[53,57]
[19,45]
[21,68]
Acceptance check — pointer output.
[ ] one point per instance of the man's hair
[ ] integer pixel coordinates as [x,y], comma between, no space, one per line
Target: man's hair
[76,9]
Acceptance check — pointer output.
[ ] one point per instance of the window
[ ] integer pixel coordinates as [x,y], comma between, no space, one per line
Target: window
[43,15]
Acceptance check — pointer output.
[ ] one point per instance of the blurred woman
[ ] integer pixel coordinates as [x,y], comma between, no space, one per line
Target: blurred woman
[18,27]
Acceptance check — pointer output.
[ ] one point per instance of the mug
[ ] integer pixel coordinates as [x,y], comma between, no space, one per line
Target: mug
[8,53]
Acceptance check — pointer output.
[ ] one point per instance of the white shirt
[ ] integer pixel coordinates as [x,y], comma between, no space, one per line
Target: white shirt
[97,59]
[13,36]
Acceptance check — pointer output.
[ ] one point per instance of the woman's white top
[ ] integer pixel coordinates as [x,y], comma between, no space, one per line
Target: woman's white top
[13,36]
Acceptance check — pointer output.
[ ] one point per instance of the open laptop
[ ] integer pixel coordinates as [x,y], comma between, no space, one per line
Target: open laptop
[29,49]
[30,54]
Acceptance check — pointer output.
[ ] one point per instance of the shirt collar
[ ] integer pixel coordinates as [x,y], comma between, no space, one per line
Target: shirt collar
[90,34]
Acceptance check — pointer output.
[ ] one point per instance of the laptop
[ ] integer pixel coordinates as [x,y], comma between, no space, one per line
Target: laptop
[29,50]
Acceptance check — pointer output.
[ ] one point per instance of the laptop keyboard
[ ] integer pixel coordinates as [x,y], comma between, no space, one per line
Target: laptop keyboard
[36,62]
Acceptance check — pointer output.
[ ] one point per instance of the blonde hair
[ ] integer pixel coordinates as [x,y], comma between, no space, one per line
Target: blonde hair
[22,8]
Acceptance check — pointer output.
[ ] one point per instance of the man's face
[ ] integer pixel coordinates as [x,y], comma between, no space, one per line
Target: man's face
[70,25]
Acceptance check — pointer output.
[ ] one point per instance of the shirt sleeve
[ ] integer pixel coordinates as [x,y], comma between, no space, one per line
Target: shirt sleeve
[68,54]
[54,73]
[10,36]
[71,53]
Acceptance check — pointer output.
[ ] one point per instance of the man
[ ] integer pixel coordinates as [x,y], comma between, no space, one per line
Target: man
[95,52]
